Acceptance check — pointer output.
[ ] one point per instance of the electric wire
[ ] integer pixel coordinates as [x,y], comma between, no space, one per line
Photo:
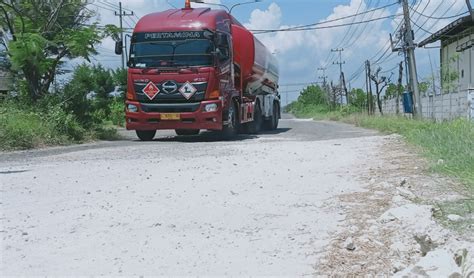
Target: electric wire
[310,26]
[364,27]
[439,18]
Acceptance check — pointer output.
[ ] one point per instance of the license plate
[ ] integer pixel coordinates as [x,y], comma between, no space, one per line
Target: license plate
[170,116]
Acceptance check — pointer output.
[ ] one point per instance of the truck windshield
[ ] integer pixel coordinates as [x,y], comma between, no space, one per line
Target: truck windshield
[188,52]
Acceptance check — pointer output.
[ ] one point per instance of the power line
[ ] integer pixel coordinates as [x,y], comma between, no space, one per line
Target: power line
[385,71]
[350,27]
[310,26]
[436,9]
[438,18]
[362,30]
[323,27]
[102,7]
[299,84]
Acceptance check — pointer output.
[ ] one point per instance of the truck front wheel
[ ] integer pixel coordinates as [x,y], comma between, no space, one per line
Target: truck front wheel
[231,128]
[146,135]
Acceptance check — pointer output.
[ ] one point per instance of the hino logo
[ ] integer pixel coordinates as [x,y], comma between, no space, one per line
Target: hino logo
[169,87]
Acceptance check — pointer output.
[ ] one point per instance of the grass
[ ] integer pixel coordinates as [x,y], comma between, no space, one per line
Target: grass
[464,208]
[448,145]
[321,112]
[22,129]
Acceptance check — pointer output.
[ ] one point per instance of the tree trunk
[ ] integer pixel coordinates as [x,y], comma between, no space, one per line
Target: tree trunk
[33,82]
[379,103]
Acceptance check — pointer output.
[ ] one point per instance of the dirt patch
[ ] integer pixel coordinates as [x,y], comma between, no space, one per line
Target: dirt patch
[391,227]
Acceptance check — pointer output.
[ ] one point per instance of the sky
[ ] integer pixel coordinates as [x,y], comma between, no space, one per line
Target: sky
[301,53]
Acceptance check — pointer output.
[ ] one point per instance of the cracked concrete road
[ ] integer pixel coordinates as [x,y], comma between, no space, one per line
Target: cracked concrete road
[258,205]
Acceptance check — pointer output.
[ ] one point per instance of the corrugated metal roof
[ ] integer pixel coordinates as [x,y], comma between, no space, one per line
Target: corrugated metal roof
[449,30]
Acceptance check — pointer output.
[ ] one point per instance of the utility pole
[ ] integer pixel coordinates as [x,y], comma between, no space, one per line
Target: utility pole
[367,80]
[325,84]
[369,98]
[323,77]
[410,50]
[399,87]
[341,77]
[121,14]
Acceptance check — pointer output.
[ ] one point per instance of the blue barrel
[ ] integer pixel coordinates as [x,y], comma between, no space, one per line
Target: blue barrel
[408,102]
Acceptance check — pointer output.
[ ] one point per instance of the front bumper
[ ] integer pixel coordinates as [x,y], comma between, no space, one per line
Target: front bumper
[198,119]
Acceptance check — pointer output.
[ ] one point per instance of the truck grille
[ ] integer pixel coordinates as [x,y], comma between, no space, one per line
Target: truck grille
[170,96]
[170,107]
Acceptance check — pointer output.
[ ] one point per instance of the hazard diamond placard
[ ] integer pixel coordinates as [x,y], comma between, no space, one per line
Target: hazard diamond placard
[187,90]
[151,90]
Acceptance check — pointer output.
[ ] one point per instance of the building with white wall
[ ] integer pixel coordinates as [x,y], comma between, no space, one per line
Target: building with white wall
[456,97]
[456,54]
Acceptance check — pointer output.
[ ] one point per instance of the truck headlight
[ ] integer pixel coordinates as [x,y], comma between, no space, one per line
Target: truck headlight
[212,107]
[132,108]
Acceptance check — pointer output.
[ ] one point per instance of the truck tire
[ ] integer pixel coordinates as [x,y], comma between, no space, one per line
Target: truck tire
[186,132]
[272,122]
[146,135]
[231,129]
[255,126]
[276,115]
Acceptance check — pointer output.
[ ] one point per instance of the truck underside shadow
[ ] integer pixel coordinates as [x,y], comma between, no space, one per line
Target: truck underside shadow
[206,136]
[275,131]
[214,136]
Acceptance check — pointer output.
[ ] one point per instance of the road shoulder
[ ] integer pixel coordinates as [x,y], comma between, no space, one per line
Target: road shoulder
[394,228]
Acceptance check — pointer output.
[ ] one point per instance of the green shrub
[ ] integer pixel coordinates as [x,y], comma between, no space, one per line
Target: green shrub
[117,112]
[65,124]
[26,129]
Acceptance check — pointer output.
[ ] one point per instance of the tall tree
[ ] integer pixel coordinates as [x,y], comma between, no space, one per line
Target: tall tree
[44,33]
[380,83]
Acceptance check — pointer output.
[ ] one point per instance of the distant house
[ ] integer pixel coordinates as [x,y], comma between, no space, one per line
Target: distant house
[456,97]
[456,54]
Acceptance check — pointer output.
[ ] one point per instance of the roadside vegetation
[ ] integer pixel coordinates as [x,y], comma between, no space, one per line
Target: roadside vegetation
[81,110]
[448,145]
[45,106]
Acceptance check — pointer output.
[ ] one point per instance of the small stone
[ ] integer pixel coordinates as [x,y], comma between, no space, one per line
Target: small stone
[387,217]
[349,244]
[403,181]
[440,162]
[405,193]
[460,256]
[397,266]
[353,229]
[454,217]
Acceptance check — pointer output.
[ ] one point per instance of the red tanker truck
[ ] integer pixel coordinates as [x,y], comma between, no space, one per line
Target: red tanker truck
[195,69]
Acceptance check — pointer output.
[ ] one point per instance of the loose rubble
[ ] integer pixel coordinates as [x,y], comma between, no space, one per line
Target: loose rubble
[396,231]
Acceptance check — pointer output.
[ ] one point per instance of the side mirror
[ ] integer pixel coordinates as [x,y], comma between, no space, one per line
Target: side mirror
[118,47]
[221,39]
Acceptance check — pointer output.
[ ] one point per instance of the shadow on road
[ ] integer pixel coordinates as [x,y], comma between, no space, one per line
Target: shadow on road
[276,131]
[12,172]
[212,136]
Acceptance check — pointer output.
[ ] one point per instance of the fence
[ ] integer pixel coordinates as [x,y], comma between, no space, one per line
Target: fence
[439,107]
